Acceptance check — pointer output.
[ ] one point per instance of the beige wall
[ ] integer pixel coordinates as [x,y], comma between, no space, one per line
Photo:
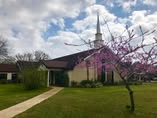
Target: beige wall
[80,73]
[116,77]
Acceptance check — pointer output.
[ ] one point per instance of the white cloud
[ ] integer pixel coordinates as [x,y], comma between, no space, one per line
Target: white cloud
[23,22]
[147,21]
[144,18]
[59,22]
[150,2]
[138,17]
[58,43]
[90,20]
[126,4]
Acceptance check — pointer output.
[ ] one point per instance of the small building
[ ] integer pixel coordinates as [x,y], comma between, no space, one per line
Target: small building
[8,72]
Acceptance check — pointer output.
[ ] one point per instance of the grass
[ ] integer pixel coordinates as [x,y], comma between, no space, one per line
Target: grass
[106,102]
[11,94]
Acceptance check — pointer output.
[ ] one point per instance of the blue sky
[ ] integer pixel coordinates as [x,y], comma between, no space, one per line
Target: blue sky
[46,25]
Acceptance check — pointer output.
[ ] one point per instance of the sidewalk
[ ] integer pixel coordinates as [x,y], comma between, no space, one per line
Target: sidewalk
[21,107]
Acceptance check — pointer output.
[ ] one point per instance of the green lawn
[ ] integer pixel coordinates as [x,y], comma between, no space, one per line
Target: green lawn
[11,94]
[107,102]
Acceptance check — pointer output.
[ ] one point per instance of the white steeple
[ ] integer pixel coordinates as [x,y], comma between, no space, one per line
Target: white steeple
[98,24]
[98,42]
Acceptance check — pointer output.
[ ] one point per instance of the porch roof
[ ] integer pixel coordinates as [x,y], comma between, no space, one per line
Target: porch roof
[55,64]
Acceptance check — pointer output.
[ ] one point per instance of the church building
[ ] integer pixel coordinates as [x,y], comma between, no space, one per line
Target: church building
[79,66]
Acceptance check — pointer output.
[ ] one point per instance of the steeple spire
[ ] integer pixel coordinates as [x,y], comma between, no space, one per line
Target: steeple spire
[98,42]
[98,24]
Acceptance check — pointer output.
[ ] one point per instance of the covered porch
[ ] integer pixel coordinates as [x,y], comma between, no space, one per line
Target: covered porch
[56,77]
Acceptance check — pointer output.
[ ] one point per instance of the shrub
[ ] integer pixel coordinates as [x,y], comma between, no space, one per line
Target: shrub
[97,85]
[133,81]
[74,84]
[33,79]
[87,85]
[91,84]
[84,83]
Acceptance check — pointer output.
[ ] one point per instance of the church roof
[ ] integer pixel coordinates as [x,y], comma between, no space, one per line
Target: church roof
[67,62]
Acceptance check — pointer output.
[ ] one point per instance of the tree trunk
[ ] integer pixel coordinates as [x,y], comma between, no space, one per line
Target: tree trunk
[132,103]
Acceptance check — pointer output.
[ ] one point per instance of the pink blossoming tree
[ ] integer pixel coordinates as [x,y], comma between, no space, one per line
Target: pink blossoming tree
[128,54]
[132,54]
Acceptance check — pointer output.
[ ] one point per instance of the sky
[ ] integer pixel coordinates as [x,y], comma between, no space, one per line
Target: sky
[47,25]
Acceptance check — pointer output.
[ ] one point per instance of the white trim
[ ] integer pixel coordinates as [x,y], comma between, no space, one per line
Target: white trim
[9,76]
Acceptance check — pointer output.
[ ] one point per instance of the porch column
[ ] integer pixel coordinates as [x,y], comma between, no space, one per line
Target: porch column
[48,78]
[53,77]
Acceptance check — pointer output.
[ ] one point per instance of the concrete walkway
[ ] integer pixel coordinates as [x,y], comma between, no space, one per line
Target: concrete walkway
[21,107]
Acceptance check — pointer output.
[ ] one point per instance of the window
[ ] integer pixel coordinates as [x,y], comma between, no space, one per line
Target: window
[3,76]
[14,76]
